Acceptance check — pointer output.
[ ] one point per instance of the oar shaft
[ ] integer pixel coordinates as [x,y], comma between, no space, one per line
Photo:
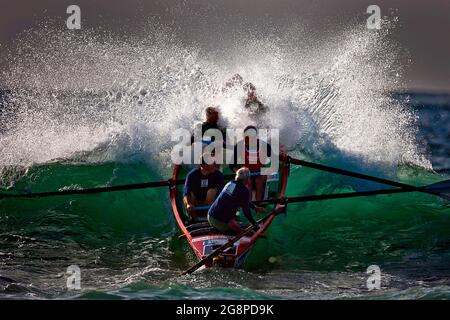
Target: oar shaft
[145,185]
[350,173]
[89,191]
[339,196]
[346,195]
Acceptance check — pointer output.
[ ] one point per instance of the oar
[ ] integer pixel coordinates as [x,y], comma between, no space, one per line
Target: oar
[440,189]
[145,185]
[153,184]
[228,244]
[348,173]
[163,183]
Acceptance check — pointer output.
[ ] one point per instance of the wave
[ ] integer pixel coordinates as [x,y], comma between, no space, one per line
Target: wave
[120,99]
[90,109]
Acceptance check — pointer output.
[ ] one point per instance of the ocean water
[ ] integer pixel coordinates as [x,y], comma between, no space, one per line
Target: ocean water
[101,114]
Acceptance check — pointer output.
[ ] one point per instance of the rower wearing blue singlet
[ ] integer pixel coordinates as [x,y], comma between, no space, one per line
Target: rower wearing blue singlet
[235,195]
[201,188]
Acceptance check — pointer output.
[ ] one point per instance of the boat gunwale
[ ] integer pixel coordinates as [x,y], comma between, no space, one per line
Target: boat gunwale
[252,239]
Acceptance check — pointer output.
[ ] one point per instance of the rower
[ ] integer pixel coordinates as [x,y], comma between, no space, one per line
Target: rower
[201,187]
[233,83]
[211,122]
[252,104]
[251,158]
[235,195]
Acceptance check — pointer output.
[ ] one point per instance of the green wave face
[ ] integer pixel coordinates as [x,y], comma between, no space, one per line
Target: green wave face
[399,231]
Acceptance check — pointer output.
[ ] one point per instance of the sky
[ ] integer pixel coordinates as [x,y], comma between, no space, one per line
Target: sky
[423,29]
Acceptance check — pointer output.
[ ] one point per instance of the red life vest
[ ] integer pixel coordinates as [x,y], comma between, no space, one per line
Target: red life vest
[252,161]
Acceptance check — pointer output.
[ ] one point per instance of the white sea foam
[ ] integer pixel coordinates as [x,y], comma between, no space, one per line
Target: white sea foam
[94,97]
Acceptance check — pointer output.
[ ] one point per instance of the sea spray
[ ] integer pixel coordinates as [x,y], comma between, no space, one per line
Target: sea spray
[93,91]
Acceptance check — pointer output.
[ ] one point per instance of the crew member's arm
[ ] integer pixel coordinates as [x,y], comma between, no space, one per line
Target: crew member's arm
[268,151]
[234,225]
[189,203]
[256,208]
[220,182]
[250,205]
[190,207]
[246,205]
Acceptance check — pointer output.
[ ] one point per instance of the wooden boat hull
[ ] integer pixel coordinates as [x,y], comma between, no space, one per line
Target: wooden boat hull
[204,239]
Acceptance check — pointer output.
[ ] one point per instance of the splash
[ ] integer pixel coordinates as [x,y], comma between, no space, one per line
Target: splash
[95,97]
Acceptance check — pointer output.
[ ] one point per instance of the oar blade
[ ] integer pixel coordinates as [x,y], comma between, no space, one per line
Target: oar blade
[441,189]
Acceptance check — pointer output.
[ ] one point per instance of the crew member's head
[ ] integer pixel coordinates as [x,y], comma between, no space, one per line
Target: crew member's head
[237,78]
[249,88]
[250,132]
[212,114]
[243,175]
[251,97]
[208,163]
